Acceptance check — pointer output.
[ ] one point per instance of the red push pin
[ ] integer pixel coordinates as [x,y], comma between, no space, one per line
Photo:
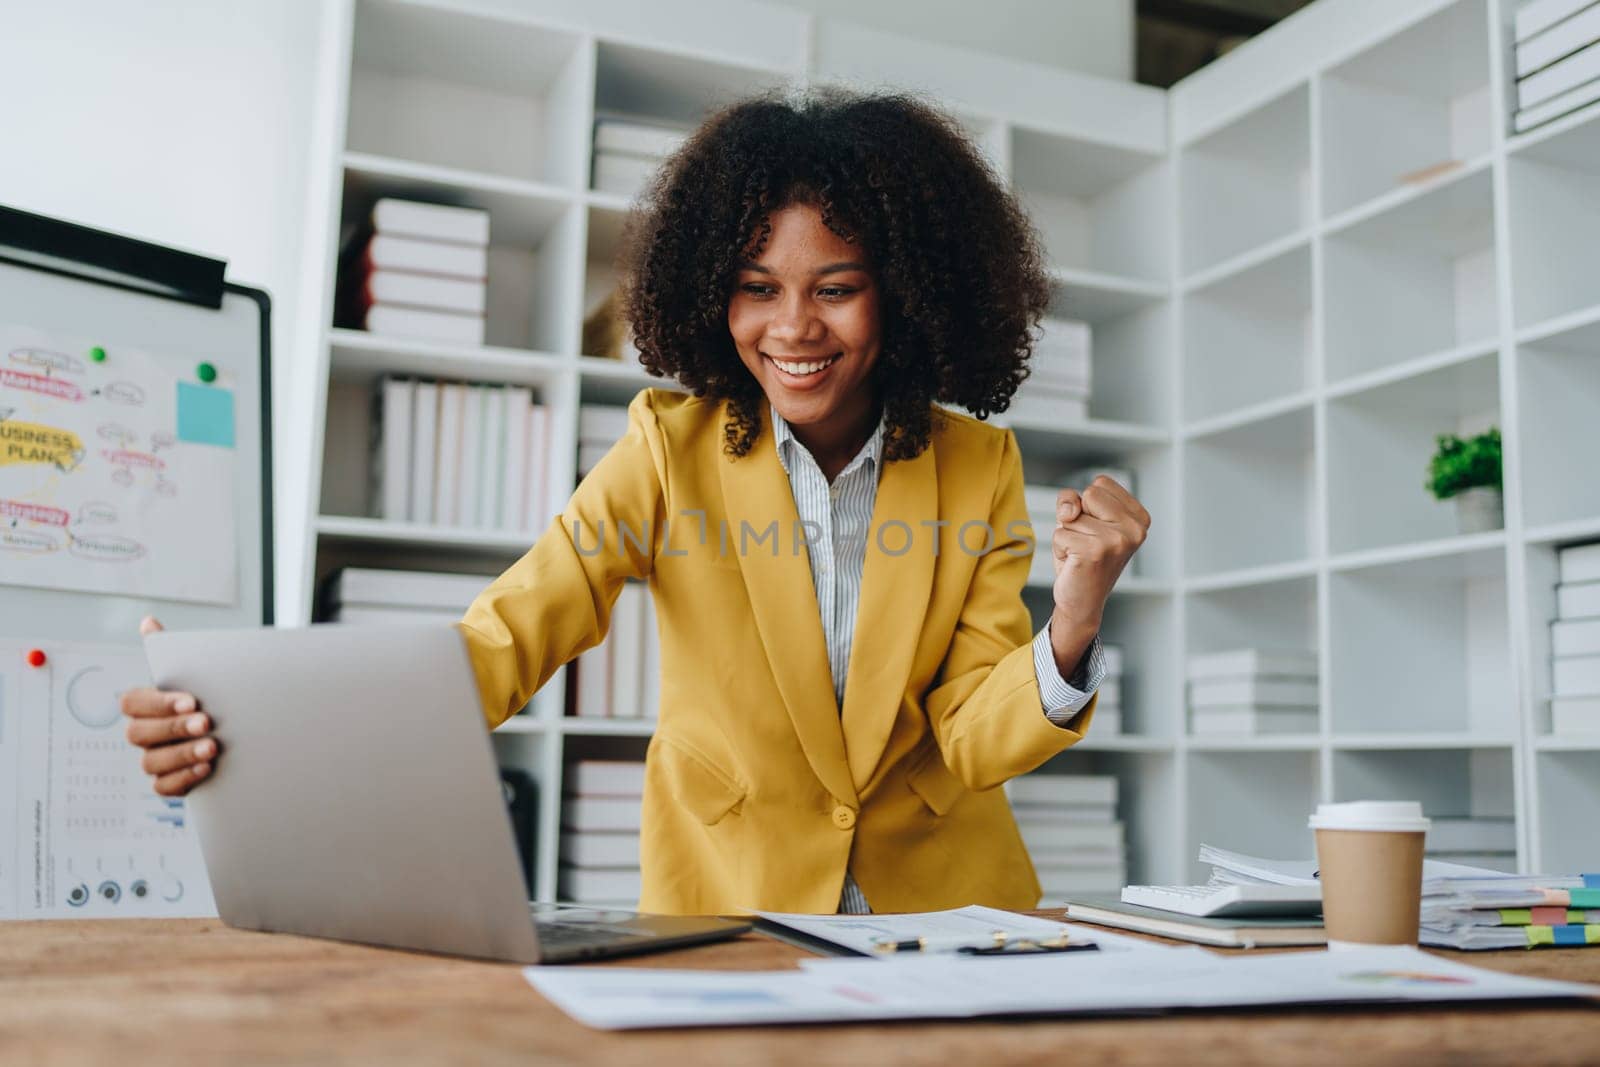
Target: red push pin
[36,657]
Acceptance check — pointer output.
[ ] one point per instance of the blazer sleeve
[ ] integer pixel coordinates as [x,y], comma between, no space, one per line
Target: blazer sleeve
[985,705]
[555,602]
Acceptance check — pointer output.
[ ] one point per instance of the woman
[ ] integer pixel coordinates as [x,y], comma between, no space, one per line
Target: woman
[837,564]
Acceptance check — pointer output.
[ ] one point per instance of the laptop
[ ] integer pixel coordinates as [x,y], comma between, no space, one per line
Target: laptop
[358,798]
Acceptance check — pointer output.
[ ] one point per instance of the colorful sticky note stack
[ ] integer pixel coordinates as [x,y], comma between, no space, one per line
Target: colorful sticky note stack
[1533,911]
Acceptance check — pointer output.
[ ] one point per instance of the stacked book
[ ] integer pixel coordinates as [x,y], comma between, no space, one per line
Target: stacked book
[627,154]
[620,678]
[1069,825]
[1253,691]
[1575,642]
[1488,841]
[599,427]
[600,820]
[1557,59]
[1057,389]
[417,270]
[1041,503]
[370,595]
[450,454]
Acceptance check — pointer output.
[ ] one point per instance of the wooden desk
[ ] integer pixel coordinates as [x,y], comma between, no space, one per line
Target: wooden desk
[91,992]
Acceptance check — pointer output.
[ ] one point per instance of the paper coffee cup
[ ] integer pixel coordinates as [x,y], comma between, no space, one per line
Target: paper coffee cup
[1369,860]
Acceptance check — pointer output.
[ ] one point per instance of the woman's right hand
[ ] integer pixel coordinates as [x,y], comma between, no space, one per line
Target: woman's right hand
[175,734]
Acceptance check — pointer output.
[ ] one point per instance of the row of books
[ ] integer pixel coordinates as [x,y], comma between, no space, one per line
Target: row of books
[452,454]
[600,821]
[620,678]
[1058,385]
[1575,642]
[1040,501]
[1557,59]
[628,153]
[417,270]
[1069,825]
[1253,691]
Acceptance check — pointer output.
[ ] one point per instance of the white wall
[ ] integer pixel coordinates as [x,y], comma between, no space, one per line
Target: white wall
[1087,36]
[183,122]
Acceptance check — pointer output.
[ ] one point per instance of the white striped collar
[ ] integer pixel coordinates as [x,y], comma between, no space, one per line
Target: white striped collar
[783,436]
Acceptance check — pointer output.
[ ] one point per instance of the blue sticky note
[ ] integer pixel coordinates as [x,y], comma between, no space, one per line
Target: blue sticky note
[205,414]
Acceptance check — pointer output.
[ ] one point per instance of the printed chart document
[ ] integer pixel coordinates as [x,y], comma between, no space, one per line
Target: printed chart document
[946,931]
[82,834]
[919,985]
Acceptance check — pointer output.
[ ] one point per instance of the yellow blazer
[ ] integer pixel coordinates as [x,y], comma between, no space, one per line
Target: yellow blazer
[759,793]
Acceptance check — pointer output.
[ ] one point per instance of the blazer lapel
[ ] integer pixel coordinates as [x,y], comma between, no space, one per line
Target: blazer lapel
[895,589]
[778,582]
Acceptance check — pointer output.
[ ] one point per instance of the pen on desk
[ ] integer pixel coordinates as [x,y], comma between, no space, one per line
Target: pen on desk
[1001,944]
[946,943]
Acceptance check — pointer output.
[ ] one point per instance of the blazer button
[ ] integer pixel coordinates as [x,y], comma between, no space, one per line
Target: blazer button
[844,818]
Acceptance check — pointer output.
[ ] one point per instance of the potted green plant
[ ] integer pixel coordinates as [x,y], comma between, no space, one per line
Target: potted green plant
[1468,471]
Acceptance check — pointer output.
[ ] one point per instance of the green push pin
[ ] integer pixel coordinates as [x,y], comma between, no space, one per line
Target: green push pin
[97,354]
[206,372]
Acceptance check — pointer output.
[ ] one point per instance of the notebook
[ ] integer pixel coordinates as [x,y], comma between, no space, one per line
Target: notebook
[1253,932]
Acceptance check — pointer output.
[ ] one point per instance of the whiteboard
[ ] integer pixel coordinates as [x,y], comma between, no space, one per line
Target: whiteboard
[135,479]
[176,337]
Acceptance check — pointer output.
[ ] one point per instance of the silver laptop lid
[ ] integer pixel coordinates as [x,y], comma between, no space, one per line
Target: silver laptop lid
[357,795]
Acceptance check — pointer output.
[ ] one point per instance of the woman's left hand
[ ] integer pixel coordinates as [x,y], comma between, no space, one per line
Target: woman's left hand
[1097,532]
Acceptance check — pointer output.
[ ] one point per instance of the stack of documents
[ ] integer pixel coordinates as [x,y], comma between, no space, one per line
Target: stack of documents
[451,454]
[620,677]
[1069,825]
[627,154]
[418,270]
[1057,389]
[371,595]
[600,820]
[1462,907]
[1253,691]
[1575,642]
[1557,59]
[1533,911]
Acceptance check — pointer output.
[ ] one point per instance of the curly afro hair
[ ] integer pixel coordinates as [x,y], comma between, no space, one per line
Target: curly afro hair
[958,266]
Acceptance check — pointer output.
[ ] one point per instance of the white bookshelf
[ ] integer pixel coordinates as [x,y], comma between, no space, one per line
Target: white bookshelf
[1282,323]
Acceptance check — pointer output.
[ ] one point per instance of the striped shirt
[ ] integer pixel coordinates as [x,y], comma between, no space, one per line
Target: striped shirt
[836,519]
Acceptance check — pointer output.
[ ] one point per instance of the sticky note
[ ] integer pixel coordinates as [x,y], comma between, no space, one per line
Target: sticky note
[205,415]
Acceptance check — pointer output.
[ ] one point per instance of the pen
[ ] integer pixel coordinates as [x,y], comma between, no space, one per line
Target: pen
[947,943]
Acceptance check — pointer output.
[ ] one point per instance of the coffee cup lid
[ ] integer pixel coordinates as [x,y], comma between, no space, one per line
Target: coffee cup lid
[1393,816]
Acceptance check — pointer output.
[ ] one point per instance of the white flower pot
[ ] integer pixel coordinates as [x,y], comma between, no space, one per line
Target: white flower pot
[1479,510]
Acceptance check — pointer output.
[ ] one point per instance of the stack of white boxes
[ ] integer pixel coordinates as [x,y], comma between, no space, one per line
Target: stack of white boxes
[620,678]
[369,595]
[1253,691]
[1557,59]
[1475,840]
[1057,390]
[627,154]
[422,273]
[1069,825]
[1575,642]
[600,820]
